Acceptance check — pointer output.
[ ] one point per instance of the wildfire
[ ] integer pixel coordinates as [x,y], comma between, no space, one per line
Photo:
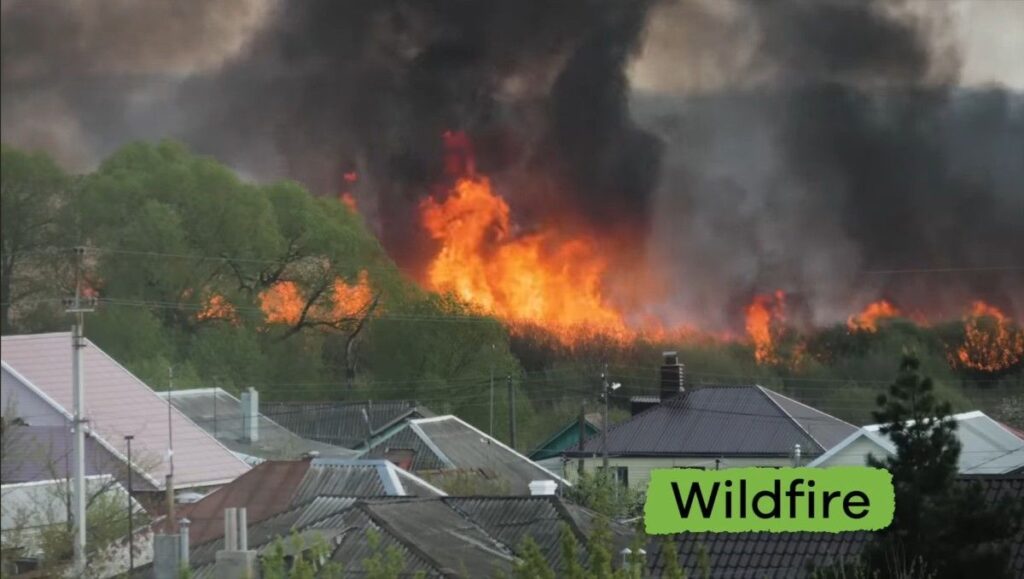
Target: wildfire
[764,318]
[545,278]
[349,201]
[284,302]
[867,320]
[217,307]
[992,342]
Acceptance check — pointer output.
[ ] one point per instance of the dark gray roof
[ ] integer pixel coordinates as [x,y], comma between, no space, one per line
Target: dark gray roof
[770,555]
[723,421]
[220,414]
[470,537]
[342,423]
[447,443]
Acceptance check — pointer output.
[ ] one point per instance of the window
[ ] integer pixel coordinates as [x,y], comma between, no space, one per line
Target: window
[620,473]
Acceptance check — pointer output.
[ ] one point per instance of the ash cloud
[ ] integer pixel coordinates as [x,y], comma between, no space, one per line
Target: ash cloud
[788,144]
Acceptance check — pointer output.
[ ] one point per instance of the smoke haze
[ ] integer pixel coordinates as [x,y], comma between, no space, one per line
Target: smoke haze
[737,147]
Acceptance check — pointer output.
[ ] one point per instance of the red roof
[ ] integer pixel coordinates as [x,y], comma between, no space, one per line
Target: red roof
[116,404]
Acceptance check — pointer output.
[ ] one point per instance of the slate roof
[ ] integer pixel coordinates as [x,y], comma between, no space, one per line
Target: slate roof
[770,555]
[447,443]
[453,537]
[220,414]
[723,421]
[117,403]
[276,486]
[342,423]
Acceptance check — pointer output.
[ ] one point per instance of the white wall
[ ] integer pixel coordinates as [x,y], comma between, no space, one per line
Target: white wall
[640,468]
[19,399]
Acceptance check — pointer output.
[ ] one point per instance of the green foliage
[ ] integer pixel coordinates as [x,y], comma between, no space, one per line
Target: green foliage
[531,563]
[571,554]
[386,562]
[939,525]
[670,556]
[602,493]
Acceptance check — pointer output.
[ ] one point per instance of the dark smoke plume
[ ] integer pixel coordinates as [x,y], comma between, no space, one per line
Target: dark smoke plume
[823,139]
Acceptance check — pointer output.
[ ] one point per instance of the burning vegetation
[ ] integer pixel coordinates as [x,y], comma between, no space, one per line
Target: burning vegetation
[992,342]
[867,320]
[545,278]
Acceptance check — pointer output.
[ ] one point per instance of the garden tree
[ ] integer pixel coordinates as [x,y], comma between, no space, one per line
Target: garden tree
[940,526]
[33,194]
[602,493]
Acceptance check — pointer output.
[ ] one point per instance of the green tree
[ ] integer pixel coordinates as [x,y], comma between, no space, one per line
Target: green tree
[940,526]
[33,194]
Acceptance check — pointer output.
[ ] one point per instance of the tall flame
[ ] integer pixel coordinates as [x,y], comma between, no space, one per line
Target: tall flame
[867,320]
[764,319]
[992,342]
[548,278]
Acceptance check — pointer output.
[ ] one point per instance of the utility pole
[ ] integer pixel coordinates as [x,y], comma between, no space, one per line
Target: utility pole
[583,433]
[491,429]
[131,521]
[78,307]
[511,412]
[169,481]
[604,425]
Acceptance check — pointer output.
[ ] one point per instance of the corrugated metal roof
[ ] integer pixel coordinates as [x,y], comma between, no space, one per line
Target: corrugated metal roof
[405,438]
[220,414]
[341,423]
[468,449]
[278,485]
[721,421]
[117,403]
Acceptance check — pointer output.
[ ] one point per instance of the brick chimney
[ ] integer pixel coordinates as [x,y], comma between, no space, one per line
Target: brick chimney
[672,376]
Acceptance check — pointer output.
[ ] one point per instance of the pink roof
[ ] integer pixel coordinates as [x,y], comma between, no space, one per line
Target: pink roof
[117,403]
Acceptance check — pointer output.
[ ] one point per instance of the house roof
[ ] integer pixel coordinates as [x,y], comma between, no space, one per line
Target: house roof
[769,555]
[117,404]
[723,421]
[460,537]
[988,446]
[220,414]
[278,485]
[550,448]
[342,423]
[445,443]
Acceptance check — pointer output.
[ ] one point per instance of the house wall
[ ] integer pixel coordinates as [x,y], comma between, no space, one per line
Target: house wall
[639,469]
[18,399]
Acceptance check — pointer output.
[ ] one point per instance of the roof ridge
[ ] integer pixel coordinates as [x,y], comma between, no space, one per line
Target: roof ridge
[364,507]
[764,391]
[809,407]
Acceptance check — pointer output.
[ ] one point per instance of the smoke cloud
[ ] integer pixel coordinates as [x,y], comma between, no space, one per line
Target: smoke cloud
[739,147]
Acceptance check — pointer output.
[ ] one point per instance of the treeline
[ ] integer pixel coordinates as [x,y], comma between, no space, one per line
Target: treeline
[237,284]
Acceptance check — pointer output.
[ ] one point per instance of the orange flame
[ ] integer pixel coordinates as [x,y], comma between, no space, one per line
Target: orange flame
[546,278]
[349,202]
[764,318]
[992,342]
[217,307]
[284,302]
[867,320]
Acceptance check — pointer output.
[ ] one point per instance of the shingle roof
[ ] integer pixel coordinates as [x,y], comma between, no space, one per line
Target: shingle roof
[723,421]
[220,414]
[446,443]
[342,423]
[117,403]
[276,486]
[770,555]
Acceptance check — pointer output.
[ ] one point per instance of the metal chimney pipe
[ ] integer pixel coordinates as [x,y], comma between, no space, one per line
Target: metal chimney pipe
[230,530]
[243,530]
[184,544]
